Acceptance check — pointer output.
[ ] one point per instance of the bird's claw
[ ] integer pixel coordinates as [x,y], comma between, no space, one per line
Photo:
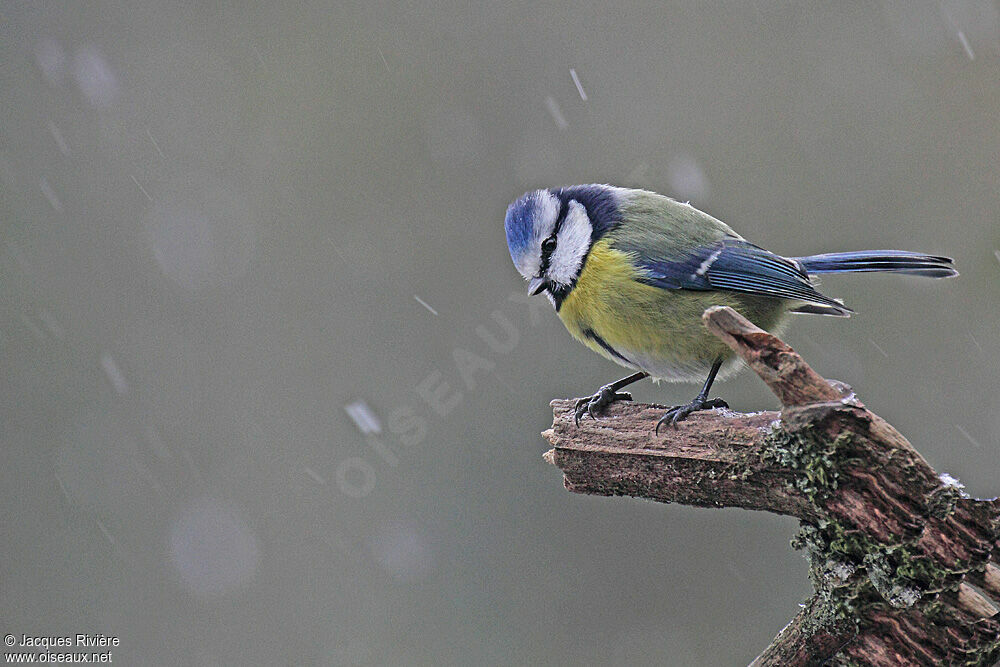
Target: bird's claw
[595,405]
[679,413]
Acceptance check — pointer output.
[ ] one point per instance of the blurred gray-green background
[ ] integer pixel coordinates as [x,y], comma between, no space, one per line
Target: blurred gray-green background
[247,250]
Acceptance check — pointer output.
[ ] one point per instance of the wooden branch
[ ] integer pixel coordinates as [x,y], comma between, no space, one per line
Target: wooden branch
[711,461]
[802,643]
[790,378]
[901,559]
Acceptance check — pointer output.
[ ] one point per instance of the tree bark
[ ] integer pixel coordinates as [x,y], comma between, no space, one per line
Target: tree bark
[901,559]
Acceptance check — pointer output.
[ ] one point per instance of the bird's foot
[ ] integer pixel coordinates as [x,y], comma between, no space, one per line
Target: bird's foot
[595,405]
[680,412]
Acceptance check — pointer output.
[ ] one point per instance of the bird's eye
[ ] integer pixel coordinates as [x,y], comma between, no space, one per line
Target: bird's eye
[549,244]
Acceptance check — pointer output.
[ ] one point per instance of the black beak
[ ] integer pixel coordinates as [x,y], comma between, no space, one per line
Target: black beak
[537,285]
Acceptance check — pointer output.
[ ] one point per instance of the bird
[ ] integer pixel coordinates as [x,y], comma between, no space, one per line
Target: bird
[631,271]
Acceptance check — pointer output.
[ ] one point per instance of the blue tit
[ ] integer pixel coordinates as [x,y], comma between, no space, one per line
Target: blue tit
[630,273]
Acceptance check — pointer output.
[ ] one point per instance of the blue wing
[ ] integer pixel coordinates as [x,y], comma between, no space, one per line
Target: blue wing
[737,266]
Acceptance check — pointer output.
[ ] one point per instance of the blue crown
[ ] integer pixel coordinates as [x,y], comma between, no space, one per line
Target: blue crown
[520,222]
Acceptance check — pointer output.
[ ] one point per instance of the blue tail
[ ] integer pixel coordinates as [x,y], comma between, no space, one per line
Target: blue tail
[895,261]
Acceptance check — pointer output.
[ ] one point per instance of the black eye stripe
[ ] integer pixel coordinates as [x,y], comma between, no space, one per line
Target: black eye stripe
[548,248]
[563,210]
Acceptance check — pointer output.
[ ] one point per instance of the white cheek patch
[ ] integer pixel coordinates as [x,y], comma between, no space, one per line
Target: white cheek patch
[529,264]
[572,244]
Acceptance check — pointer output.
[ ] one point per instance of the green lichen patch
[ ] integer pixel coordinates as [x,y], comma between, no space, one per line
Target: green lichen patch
[941,501]
[814,460]
[849,570]
[895,589]
[834,578]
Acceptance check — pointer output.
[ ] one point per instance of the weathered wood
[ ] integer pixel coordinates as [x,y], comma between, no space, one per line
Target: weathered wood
[800,643]
[791,379]
[709,461]
[991,579]
[902,559]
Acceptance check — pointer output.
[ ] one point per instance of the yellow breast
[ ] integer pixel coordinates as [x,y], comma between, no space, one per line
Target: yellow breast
[649,328]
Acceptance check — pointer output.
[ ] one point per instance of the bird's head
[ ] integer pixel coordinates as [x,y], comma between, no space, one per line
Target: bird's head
[550,232]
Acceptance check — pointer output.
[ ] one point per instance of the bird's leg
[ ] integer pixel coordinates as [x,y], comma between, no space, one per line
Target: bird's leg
[605,396]
[700,402]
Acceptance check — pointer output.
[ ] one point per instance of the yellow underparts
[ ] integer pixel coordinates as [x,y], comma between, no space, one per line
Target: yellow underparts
[657,330]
